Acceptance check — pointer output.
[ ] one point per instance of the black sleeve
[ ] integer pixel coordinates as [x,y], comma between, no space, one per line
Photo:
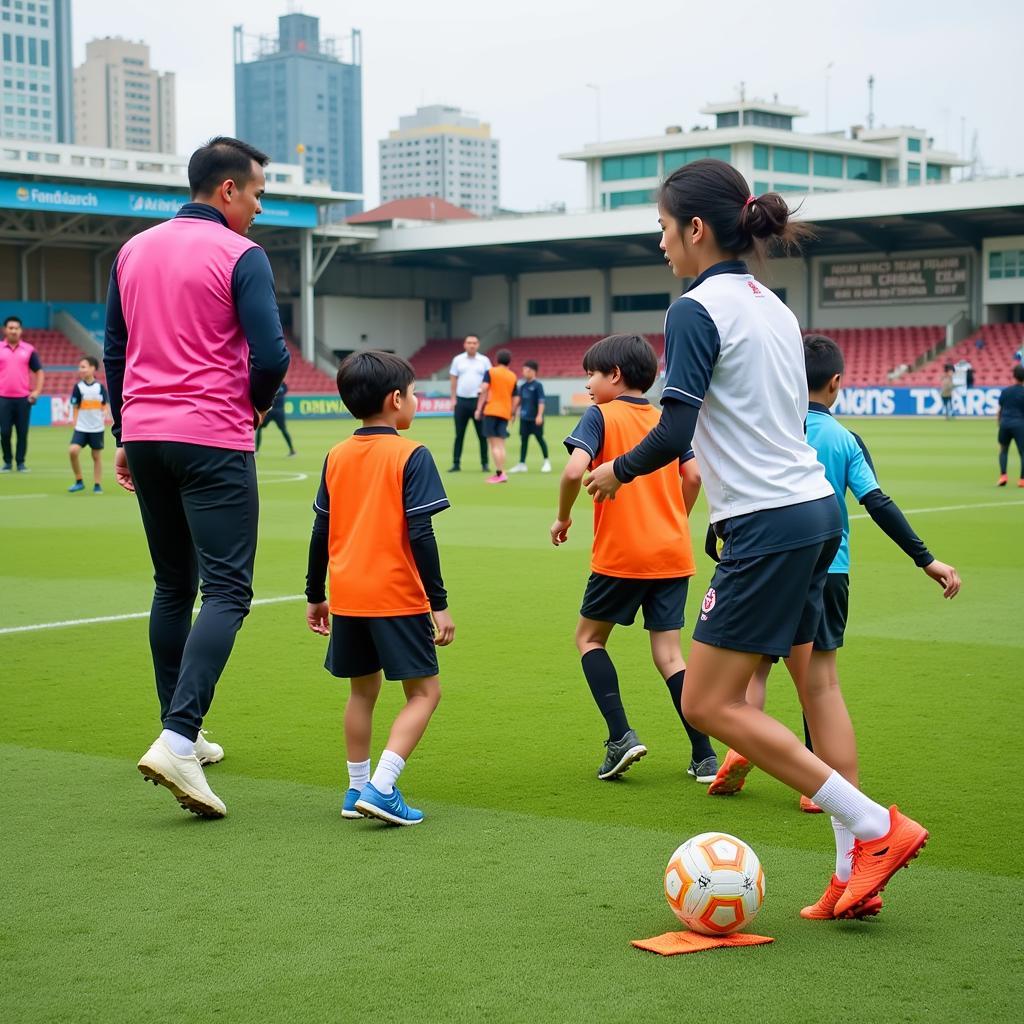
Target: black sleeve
[316,566]
[692,347]
[588,434]
[115,343]
[891,521]
[76,397]
[668,441]
[34,364]
[252,285]
[422,490]
[427,559]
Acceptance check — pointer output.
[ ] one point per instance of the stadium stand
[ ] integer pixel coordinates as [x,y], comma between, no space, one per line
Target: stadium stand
[991,364]
[304,378]
[436,355]
[873,353]
[59,357]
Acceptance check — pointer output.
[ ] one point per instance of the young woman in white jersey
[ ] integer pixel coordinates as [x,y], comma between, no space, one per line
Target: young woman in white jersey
[735,388]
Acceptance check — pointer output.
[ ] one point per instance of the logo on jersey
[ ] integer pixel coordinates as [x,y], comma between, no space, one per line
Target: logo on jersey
[752,285]
[709,601]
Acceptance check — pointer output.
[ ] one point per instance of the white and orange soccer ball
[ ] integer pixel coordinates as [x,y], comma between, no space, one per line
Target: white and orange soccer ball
[714,883]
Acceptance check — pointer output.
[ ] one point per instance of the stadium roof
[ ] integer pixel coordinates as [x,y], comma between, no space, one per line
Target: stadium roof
[417,208]
[874,220]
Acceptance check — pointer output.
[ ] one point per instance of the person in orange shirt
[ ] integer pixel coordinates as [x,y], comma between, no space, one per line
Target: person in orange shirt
[373,539]
[642,557]
[497,404]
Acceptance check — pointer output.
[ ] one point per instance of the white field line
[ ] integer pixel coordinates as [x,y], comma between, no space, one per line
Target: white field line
[35,627]
[20,497]
[947,508]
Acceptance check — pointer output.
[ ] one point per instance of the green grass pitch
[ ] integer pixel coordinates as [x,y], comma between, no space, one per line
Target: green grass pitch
[517,898]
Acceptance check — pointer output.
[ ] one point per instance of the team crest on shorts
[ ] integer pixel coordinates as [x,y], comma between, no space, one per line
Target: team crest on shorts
[709,600]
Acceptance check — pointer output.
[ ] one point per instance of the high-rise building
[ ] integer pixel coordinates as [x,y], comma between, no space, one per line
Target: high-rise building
[120,101]
[440,151]
[299,101]
[36,93]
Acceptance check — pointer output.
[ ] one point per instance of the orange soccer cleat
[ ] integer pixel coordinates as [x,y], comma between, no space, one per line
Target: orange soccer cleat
[875,861]
[808,806]
[731,776]
[825,908]
[1020,482]
[1001,482]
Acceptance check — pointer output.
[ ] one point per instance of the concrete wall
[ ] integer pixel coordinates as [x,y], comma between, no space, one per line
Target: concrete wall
[1007,290]
[396,325]
[565,284]
[486,307]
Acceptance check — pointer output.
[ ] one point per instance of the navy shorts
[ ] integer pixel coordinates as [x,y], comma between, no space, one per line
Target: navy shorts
[530,428]
[835,607]
[1011,432]
[88,439]
[613,599]
[402,645]
[767,604]
[495,426]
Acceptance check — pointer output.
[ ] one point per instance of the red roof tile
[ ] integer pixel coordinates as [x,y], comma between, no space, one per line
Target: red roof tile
[417,208]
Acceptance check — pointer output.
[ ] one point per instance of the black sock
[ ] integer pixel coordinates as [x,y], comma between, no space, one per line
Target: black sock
[603,681]
[543,446]
[700,745]
[1003,458]
[522,449]
[807,737]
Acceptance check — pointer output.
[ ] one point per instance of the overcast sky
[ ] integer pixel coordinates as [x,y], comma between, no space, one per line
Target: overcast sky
[525,67]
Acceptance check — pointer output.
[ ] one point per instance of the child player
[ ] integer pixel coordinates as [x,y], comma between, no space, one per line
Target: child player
[642,556]
[89,402]
[531,417]
[372,536]
[496,405]
[848,466]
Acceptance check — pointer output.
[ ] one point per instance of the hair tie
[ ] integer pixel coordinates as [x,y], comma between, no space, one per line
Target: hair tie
[750,199]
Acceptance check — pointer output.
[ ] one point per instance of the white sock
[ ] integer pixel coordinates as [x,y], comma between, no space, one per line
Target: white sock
[180,745]
[358,773]
[844,847]
[389,767]
[859,813]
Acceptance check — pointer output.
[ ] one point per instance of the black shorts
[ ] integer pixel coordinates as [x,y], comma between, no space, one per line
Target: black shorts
[402,645]
[88,439]
[766,604]
[835,607]
[1011,432]
[495,426]
[613,599]
[530,428]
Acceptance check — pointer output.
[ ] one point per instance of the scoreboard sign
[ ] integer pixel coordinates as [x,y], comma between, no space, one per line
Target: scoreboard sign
[862,282]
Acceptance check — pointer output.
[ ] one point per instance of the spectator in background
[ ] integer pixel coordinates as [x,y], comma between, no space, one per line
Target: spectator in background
[21,383]
[467,376]
[946,387]
[979,343]
[276,415]
[531,417]
[1018,356]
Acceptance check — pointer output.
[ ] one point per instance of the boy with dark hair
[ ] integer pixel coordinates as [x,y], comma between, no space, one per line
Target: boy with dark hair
[641,555]
[848,466]
[531,417]
[497,404]
[89,404]
[372,536]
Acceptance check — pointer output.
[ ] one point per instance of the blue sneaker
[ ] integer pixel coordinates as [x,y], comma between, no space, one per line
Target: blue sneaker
[5,468]
[96,489]
[391,808]
[348,808]
[76,487]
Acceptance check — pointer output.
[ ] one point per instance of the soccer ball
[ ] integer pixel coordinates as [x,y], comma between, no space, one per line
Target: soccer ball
[714,883]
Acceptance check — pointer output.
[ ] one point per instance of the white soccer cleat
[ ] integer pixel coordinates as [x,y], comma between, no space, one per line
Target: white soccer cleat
[546,468]
[519,467]
[207,752]
[184,777]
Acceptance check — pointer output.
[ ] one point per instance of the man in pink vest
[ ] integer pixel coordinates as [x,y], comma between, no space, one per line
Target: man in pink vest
[21,382]
[194,354]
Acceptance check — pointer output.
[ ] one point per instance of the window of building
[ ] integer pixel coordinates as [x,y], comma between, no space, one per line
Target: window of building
[828,165]
[1008,263]
[761,157]
[635,197]
[558,307]
[863,168]
[651,301]
[933,172]
[791,161]
[760,187]
[913,174]
[914,145]
[639,165]
[791,188]
[7,46]
[678,157]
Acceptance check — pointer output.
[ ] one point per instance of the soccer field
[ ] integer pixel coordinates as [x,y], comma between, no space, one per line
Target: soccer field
[517,897]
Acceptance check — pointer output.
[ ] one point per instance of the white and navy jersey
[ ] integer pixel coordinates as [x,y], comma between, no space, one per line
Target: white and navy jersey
[89,400]
[470,373]
[734,350]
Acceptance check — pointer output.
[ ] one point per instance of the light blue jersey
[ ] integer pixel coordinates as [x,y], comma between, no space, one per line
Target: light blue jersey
[847,466]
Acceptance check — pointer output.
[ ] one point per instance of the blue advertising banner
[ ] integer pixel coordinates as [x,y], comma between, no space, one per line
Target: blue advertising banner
[915,402]
[46,195]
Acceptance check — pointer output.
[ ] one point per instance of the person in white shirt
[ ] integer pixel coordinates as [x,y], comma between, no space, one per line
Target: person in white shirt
[467,375]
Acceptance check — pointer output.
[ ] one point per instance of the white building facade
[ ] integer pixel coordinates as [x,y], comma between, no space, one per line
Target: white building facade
[440,151]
